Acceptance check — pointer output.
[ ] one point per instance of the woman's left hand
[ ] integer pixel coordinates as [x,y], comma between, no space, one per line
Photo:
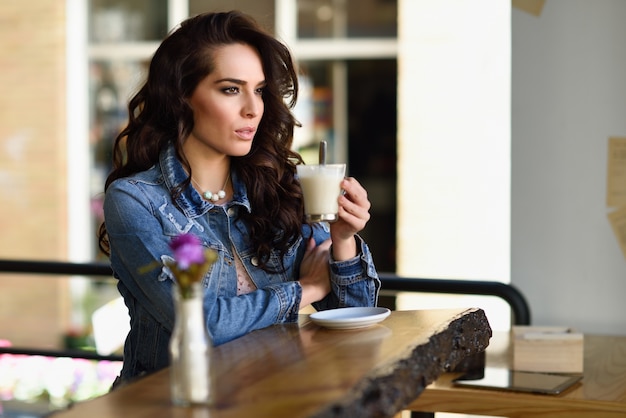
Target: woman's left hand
[354,214]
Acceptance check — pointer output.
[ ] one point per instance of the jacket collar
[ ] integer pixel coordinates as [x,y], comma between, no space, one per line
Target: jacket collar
[190,201]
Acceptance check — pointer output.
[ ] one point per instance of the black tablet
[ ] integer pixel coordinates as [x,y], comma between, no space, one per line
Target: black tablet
[504,379]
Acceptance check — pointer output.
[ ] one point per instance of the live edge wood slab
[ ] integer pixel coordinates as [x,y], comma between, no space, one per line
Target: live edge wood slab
[443,341]
[303,370]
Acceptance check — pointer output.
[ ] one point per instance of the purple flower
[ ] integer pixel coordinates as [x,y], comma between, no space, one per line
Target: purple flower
[187,250]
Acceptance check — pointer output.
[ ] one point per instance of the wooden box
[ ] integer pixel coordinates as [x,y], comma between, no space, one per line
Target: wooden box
[547,349]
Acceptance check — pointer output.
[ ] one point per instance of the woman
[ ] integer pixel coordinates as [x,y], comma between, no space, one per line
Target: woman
[207,151]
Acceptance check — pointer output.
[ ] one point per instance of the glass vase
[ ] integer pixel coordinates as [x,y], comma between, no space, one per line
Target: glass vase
[190,351]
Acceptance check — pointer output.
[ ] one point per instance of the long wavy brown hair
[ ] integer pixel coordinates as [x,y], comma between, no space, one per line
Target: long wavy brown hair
[159,115]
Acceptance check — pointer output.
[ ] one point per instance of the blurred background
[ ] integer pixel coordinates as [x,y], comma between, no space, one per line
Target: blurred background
[479,129]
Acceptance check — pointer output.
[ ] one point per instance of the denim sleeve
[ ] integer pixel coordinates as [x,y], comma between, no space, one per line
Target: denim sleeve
[138,238]
[354,282]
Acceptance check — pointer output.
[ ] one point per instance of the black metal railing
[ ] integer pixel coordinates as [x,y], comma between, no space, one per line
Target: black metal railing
[390,282]
[91,270]
[509,293]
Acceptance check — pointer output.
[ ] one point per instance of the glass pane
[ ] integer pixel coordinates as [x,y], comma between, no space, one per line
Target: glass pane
[347,18]
[314,109]
[372,150]
[111,86]
[127,20]
[261,10]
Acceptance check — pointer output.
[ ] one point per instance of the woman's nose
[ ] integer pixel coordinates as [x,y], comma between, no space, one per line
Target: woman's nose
[252,107]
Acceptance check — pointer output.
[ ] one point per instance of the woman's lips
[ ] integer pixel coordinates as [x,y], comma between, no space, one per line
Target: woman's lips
[245,133]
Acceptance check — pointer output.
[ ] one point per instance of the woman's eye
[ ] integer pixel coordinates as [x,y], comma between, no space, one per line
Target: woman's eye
[231,90]
[259,91]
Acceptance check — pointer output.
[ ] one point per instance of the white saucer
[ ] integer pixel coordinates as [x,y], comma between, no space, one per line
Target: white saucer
[349,318]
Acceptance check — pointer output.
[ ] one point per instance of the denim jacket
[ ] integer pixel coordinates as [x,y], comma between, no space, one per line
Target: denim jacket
[141,219]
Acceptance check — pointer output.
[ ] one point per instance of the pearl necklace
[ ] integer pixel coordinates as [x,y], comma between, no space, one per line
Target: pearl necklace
[209,195]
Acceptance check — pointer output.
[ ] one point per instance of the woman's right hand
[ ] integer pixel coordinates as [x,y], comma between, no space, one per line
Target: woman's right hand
[315,272]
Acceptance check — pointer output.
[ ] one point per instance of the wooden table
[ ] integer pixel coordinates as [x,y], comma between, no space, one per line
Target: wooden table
[602,392]
[303,370]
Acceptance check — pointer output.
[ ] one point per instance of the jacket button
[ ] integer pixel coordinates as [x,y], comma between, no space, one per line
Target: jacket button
[254,261]
[231,212]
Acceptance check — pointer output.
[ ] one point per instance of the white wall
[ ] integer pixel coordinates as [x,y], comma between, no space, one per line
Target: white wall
[568,97]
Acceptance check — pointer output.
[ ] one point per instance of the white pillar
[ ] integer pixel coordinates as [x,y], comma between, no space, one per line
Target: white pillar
[454,139]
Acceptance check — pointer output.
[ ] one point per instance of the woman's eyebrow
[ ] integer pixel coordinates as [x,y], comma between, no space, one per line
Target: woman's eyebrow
[237,81]
[230,80]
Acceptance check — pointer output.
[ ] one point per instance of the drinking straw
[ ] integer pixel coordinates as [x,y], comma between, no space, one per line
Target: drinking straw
[323,147]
